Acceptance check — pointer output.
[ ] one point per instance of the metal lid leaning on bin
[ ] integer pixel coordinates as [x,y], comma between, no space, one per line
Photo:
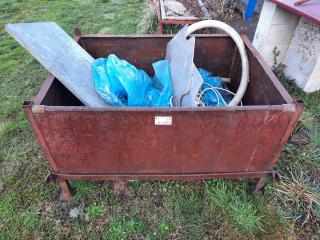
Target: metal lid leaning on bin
[61,56]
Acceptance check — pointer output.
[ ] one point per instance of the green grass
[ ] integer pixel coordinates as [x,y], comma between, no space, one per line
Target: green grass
[95,210]
[30,208]
[125,227]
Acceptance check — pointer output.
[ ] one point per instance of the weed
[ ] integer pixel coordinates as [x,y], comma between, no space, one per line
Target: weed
[149,21]
[84,189]
[135,185]
[277,67]
[30,218]
[190,204]
[164,229]
[124,228]
[301,196]
[95,210]
[239,207]
[299,165]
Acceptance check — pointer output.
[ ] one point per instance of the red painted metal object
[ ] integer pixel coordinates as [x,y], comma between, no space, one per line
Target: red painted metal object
[238,25]
[297,3]
[124,143]
[174,21]
[309,9]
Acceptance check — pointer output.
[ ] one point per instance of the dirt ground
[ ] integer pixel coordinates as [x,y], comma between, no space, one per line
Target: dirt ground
[218,9]
[224,9]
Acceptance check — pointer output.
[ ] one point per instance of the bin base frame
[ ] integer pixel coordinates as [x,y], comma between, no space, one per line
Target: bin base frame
[67,193]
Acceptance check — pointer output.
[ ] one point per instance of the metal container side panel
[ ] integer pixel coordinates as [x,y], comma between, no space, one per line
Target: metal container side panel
[213,53]
[129,142]
[264,88]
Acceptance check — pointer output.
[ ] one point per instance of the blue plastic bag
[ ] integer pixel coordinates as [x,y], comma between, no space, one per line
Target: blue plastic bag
[161,90]
[210,97]
[121,84]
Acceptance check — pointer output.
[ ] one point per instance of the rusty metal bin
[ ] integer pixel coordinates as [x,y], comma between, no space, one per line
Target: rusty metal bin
[201,143]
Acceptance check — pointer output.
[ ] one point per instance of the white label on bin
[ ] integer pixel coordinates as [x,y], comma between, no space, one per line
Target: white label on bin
[163,121]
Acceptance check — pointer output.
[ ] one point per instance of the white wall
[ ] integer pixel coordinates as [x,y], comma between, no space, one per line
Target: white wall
[302,58]
[275,29]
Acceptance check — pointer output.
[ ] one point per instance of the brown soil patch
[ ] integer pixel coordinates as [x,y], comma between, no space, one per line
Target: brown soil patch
[226,10]
[192,7]
[122,190]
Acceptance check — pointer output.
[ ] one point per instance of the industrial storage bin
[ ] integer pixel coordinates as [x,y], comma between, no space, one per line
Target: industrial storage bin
[105,143]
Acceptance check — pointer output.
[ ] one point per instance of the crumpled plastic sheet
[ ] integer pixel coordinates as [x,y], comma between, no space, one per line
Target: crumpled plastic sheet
[119,83]
[211,98]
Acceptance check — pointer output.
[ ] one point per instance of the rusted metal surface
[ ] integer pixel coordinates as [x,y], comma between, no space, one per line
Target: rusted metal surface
[265,91]
[124,143]
[66,193]
[231,175]
[260,184]
[153,48]
[297,3]
[193,144]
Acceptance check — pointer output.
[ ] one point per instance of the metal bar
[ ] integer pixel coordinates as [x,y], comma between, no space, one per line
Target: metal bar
[27,110]
[260,184]
[169,36]
[77,34]
[160,28]
[53,109]
[309,11]
[183,18]
[297,3]
[250,9]
[65,194]
[176,22]
[65,176]
[162,10]
[160,25]
[43,90]
[294,120]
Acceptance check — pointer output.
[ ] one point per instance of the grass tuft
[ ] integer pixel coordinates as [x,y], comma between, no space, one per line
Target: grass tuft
[301,196]
[95,210]
[240,208]
[124,228]
[149,21]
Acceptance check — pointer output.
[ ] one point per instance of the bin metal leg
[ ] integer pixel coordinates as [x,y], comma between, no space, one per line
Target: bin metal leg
[258,187]
[65,194]
[160,27]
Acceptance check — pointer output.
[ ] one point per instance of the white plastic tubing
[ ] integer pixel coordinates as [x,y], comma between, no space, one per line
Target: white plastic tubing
[242,50]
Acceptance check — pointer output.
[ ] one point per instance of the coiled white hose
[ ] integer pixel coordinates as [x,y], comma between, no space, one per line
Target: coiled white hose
[242,51]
